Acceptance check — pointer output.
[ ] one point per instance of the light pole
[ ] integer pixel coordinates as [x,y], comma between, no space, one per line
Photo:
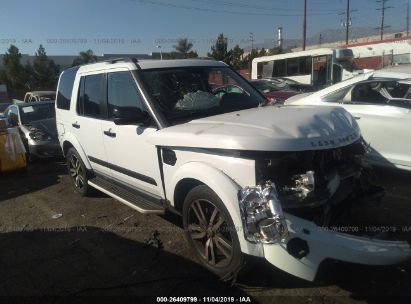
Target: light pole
[161,53]
[252,40]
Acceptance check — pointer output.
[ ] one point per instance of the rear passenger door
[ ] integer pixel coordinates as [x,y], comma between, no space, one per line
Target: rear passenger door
[382,124]
[132,160]
[86,126]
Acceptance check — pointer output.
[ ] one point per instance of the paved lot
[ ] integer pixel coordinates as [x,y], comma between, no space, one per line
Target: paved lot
[98,248]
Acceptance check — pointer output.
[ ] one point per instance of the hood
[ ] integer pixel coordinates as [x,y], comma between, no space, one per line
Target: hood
[296,98]
[268,128]
[283,94]
[47,125]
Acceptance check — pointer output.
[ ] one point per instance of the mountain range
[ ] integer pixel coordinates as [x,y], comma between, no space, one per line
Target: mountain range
[327,35]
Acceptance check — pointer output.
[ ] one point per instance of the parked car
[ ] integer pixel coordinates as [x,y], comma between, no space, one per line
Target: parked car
[39,96]
[273,92]
[380,102]
[247,179]
[37,124]
[291,84]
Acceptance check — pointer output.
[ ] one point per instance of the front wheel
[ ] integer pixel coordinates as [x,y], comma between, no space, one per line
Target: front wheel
[77,172]
[211,233]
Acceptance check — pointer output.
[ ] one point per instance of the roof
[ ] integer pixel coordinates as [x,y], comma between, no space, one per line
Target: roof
[404,38]
[398,69]
[315,52]
[152,64]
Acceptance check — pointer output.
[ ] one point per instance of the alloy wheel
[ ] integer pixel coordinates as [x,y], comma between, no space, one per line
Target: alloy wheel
[76,172]
[210,233]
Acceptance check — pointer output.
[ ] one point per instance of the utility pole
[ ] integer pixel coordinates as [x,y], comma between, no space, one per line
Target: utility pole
[408,17]
[382,9]
[305,24]
[252,40]
[347,21]
[320,40]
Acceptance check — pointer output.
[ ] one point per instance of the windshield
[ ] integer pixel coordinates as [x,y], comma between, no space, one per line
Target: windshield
[193,92]
[35,112]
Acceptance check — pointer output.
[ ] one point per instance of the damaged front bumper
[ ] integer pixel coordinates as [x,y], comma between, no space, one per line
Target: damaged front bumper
[308,245]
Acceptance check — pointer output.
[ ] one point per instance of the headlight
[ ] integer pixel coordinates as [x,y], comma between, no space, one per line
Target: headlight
[39,136]
[262,215]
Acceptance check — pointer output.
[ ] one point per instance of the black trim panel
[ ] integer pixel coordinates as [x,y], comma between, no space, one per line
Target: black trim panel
[135,191]
[122,170]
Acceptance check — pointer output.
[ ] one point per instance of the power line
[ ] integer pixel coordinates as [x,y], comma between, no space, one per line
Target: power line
[164,4]
[237,4]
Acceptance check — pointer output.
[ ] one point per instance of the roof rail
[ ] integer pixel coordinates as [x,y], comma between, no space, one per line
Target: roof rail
[125,59]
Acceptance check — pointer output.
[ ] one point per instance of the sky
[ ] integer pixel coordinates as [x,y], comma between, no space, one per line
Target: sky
[66,27]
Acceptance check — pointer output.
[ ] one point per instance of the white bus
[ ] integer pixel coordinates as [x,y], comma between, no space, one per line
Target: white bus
[320,67]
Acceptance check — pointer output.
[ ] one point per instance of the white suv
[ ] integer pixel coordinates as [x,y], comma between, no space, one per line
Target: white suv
[266,181]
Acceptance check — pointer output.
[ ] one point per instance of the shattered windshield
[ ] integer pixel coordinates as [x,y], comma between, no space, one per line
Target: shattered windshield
[193,92]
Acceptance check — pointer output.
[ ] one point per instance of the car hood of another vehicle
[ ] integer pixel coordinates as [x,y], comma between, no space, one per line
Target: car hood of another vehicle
[269,128]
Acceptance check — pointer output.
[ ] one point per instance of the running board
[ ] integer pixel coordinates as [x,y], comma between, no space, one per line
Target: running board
[131,199]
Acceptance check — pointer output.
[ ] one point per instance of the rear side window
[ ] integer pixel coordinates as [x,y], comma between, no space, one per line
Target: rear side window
[65,88]
[90,96]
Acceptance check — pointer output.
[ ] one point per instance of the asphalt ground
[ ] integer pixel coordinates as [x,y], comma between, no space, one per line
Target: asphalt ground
[58,246]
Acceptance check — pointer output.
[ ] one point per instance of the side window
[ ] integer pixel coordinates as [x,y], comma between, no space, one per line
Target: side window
[304,65]
[13,115]
[65,88]
[292,66]
[121,92]
[369,93]
[279,68]
[90,95]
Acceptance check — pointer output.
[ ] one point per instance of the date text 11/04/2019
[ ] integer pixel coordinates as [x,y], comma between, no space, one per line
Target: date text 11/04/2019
[244,299]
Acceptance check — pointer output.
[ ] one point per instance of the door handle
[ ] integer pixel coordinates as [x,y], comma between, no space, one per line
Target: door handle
[76,125]
[357,117]
[109,133]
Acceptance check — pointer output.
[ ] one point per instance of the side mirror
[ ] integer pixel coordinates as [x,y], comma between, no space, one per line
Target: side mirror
[130,116]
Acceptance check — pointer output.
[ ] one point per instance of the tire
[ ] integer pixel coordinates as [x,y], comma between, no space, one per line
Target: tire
[211,233]
[77,172]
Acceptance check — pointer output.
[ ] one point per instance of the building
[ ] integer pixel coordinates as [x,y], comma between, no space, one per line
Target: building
[373,53]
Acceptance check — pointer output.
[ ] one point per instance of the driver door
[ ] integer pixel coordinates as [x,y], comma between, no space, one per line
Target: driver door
[132,160]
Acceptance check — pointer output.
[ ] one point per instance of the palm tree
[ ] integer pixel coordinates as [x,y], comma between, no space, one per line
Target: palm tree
[183,46]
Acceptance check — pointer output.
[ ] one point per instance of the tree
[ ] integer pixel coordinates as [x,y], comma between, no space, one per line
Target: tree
[236,60]
[13,73]
[262,53]
[84,57]
[275,51]
[219,50]
[249,58]
[44,71]
[192,54]
[184,47]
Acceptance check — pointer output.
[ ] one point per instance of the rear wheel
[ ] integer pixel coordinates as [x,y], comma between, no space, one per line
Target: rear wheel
[77,172]
[211,233]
